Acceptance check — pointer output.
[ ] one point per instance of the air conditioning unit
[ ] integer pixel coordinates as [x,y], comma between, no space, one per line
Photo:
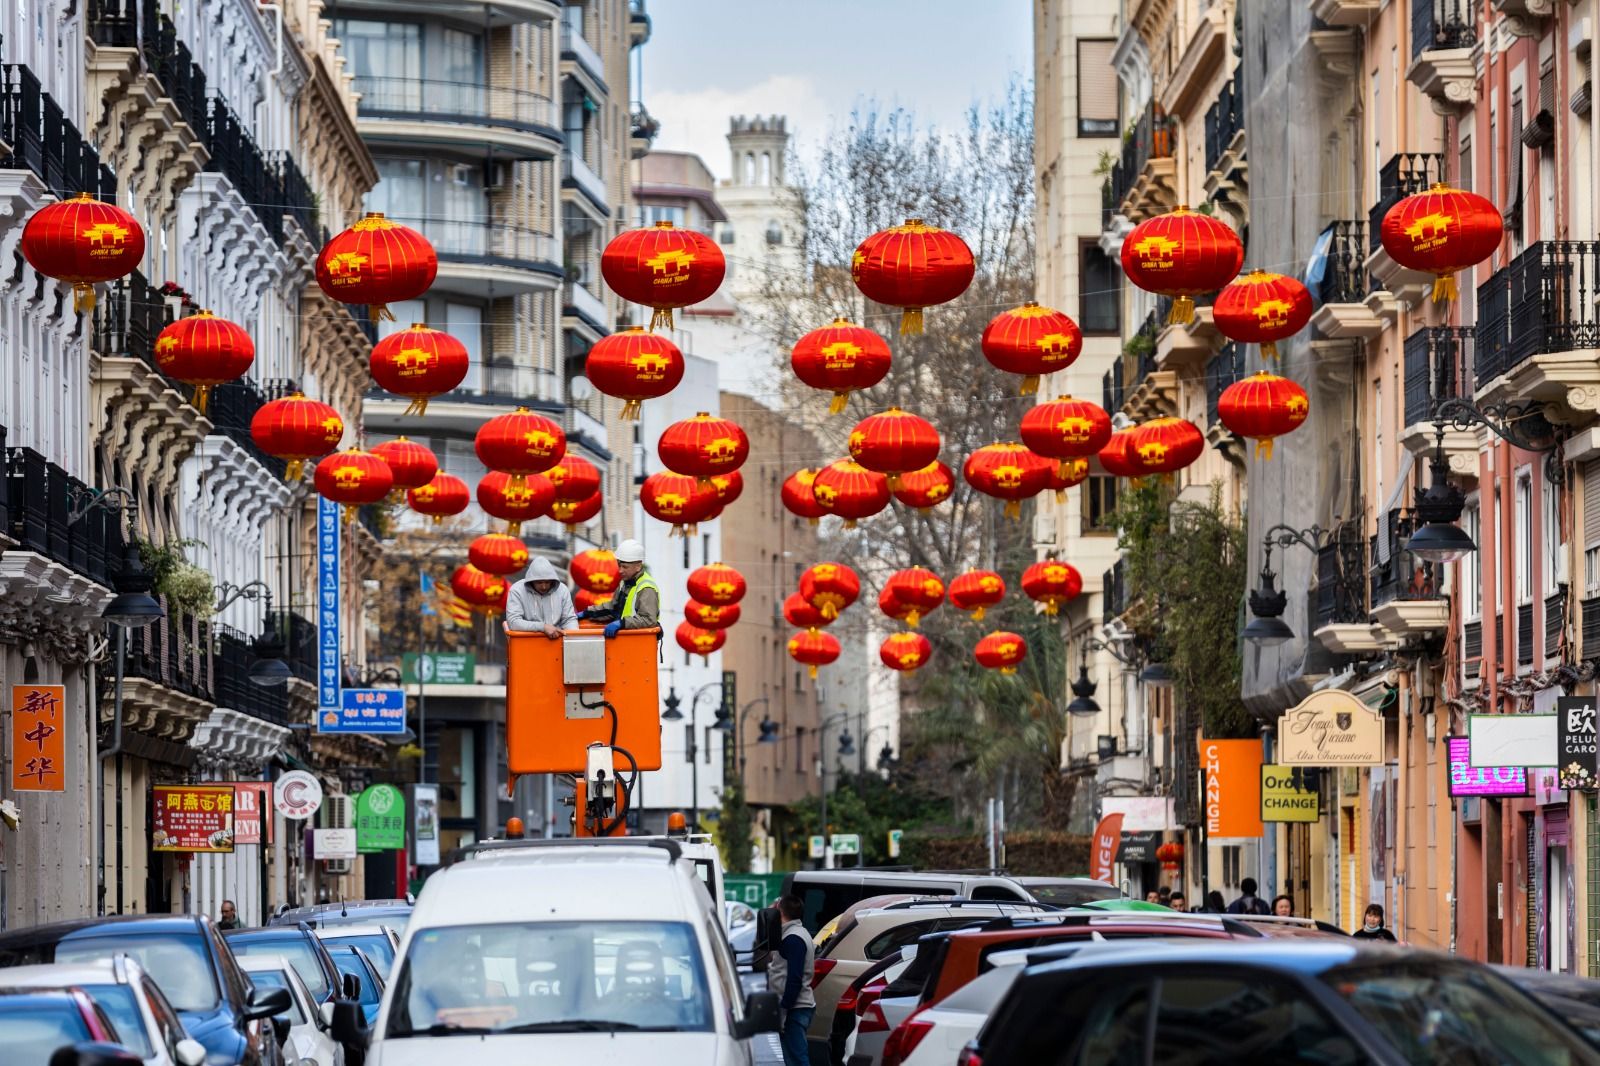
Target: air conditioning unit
[461,174]
[337,867]
[1561,565]
[337,813]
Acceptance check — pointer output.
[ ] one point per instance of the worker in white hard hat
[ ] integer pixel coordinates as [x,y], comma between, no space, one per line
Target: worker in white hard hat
[637,602]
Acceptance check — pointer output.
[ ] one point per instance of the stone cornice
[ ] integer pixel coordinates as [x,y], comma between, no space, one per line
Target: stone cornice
[43,601]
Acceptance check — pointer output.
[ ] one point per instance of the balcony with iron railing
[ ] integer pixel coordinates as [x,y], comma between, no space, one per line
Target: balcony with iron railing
[41,139]
[1401,176]
[1443,35]
[268,182]
[1340,614]
[1114,592]
[500,123]
[1538,323]
[1225,130]
[1407,594]
[142,25]
[39,500]
[1147,390]
[128,317]
[1142,181]
[488,258]
[1346,307]
[174,652]
[1555,622]
[233,406]
[235,655]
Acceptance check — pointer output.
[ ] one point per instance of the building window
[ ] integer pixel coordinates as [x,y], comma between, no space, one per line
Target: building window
[1099,503]
[1098,114]
[774,233]
[1550,520]
[1524,537]
[650,214]
[1471,577]
[1099,291]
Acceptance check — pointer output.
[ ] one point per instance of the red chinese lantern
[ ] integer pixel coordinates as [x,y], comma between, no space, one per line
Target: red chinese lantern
[501,496]
[419,363]
[1066,429]
[717,584]
[711,615]
[729,486]
[830,588]
[1117,458]
[813,648]
[677,499]
[702,446]
[574,478]
[1165,445]
[1064,474]
[1032,341]
[1008,472]
[894,442]
[445,495]
[904,651]
[841,358]
[1262,308]
[927,487]
[1001,650]
[1261,407]
[977,590]
[918,588]
[595,571]
[1182,254]
[800,614]
[480,589]
[799,496]
[83,242]
[634,365]
[1170,855]
[1441,231]
[912,266]
[1052,584]
[574,513]
[851,491]
[583,599]
[520,443]
[204,351]
[662,267]
[498,553]
[697,641]
[377,262]
[353,478]
[295,429]
[411,464]
[893,608]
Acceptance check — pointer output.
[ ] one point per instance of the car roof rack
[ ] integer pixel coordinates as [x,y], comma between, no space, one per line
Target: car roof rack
[963,901]
[486,847]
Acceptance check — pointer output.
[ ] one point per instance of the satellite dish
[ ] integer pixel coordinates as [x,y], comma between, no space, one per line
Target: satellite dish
[579,389]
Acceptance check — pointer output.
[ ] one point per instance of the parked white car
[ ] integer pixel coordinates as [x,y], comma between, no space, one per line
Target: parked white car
[593,951]
[145,1021]
[310,1043]
[380,943]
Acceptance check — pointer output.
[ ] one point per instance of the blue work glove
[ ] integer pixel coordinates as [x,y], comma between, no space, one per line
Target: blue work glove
[613,629]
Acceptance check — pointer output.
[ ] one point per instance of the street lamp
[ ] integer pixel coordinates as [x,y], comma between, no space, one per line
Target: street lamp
[672,714]
[1083,691]
[1439,507]
[885,755]
[768,735]
[1267,603]
[269,669]
[845,748]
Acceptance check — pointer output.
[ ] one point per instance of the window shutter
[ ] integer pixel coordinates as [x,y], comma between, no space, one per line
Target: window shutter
[1591,503]
[1514,152]
[1098,103]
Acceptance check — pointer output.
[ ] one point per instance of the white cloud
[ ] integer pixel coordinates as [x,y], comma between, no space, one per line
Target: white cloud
[697,120]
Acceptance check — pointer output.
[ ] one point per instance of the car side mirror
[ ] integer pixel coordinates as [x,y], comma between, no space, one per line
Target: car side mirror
[265,1002]
[191,1052]
[93,1053]
[760,1015]
[352,986]
[280,1028]
[325,1013]
[350,1025]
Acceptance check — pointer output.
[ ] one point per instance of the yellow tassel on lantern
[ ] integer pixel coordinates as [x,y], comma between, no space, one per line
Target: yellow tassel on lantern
[82,297]
[1264,448]
[910,321]
[1008,669]
[202,397]
[295,471]
[1061,495]
[1051,607]
[829,608]
[849,523]
[1182,312]
[380,313]
[837,404]
[912,618]
[438,519]
[417,406]
[813,670]
[1444,288]
[1030,386]
[814,521]
[630,411]
[1013,509]
[977,616]
[894,482]
[662,318]
[1269,349]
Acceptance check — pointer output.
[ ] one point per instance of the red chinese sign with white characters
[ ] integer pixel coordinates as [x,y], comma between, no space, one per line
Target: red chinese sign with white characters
[191,818]
[252,811]
[38,738]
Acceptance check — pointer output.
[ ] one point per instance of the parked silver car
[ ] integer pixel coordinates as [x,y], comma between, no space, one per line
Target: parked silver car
[145,1021]
[311,1041]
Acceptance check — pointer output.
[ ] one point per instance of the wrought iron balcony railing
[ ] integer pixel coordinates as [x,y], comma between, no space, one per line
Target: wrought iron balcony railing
[1344,276]
[39,500]
[1225,118]
[1402,576]
[235,155]
[175,652]
[1151,138]
[1225,368]
[1340,595]
[127,320]
[233,405]
[1542,302]
[1440,24]
[235,655]
[1401,176]
[1114,592]
[44,141]
[1438,365]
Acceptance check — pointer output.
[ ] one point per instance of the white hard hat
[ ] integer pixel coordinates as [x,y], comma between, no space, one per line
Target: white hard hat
[630,551]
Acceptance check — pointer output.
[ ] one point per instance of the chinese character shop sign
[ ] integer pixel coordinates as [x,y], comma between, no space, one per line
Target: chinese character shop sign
[327,609]
[365,710]
[1575,758]
[38,738]
[192,818]
[380,819]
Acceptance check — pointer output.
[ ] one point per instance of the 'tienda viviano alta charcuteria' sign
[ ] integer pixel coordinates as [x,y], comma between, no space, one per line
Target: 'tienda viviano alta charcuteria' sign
[1330,728]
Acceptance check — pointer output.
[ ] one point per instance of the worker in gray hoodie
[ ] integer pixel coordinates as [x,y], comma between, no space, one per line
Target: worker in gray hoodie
[540,603]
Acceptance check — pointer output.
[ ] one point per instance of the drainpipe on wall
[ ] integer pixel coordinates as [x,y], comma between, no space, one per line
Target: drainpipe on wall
[100,757]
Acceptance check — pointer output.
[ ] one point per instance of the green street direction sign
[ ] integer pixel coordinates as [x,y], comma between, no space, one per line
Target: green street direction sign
[440,668]
[846,843]
[380,819]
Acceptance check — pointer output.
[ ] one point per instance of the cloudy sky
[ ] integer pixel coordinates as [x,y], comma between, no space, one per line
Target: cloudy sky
[815,60]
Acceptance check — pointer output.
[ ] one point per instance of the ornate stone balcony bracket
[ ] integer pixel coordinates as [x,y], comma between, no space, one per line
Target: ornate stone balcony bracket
[1447,76]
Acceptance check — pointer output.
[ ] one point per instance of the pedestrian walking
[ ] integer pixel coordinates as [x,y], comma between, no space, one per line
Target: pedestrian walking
[1249,902]
[1283,906]
[1214,903]
[1176,902]
[789,973]
[637,602]
[1372,927]
[540,603]
[230,916]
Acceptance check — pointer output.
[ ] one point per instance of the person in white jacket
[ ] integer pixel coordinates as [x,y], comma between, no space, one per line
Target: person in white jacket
[540,603]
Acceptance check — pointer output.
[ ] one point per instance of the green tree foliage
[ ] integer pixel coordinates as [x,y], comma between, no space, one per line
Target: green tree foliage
[1186,571]
[871,806]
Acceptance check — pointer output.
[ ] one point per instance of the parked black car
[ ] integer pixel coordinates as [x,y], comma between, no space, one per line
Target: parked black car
[1338,1003]
[187,958]
[301,947]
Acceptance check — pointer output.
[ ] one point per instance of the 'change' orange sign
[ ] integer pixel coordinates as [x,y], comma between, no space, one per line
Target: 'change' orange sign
[1233,787]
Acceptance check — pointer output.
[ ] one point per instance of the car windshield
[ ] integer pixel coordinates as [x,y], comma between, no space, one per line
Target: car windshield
[1069,895]
[295,949]
[123,1009]
[376,945]
[1450,1014]
[347,962]
[178,962]
[552,977]
[31,1030]
[270,979]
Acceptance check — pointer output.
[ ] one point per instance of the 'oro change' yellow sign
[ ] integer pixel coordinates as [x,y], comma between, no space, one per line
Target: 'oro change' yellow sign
[1286,797]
